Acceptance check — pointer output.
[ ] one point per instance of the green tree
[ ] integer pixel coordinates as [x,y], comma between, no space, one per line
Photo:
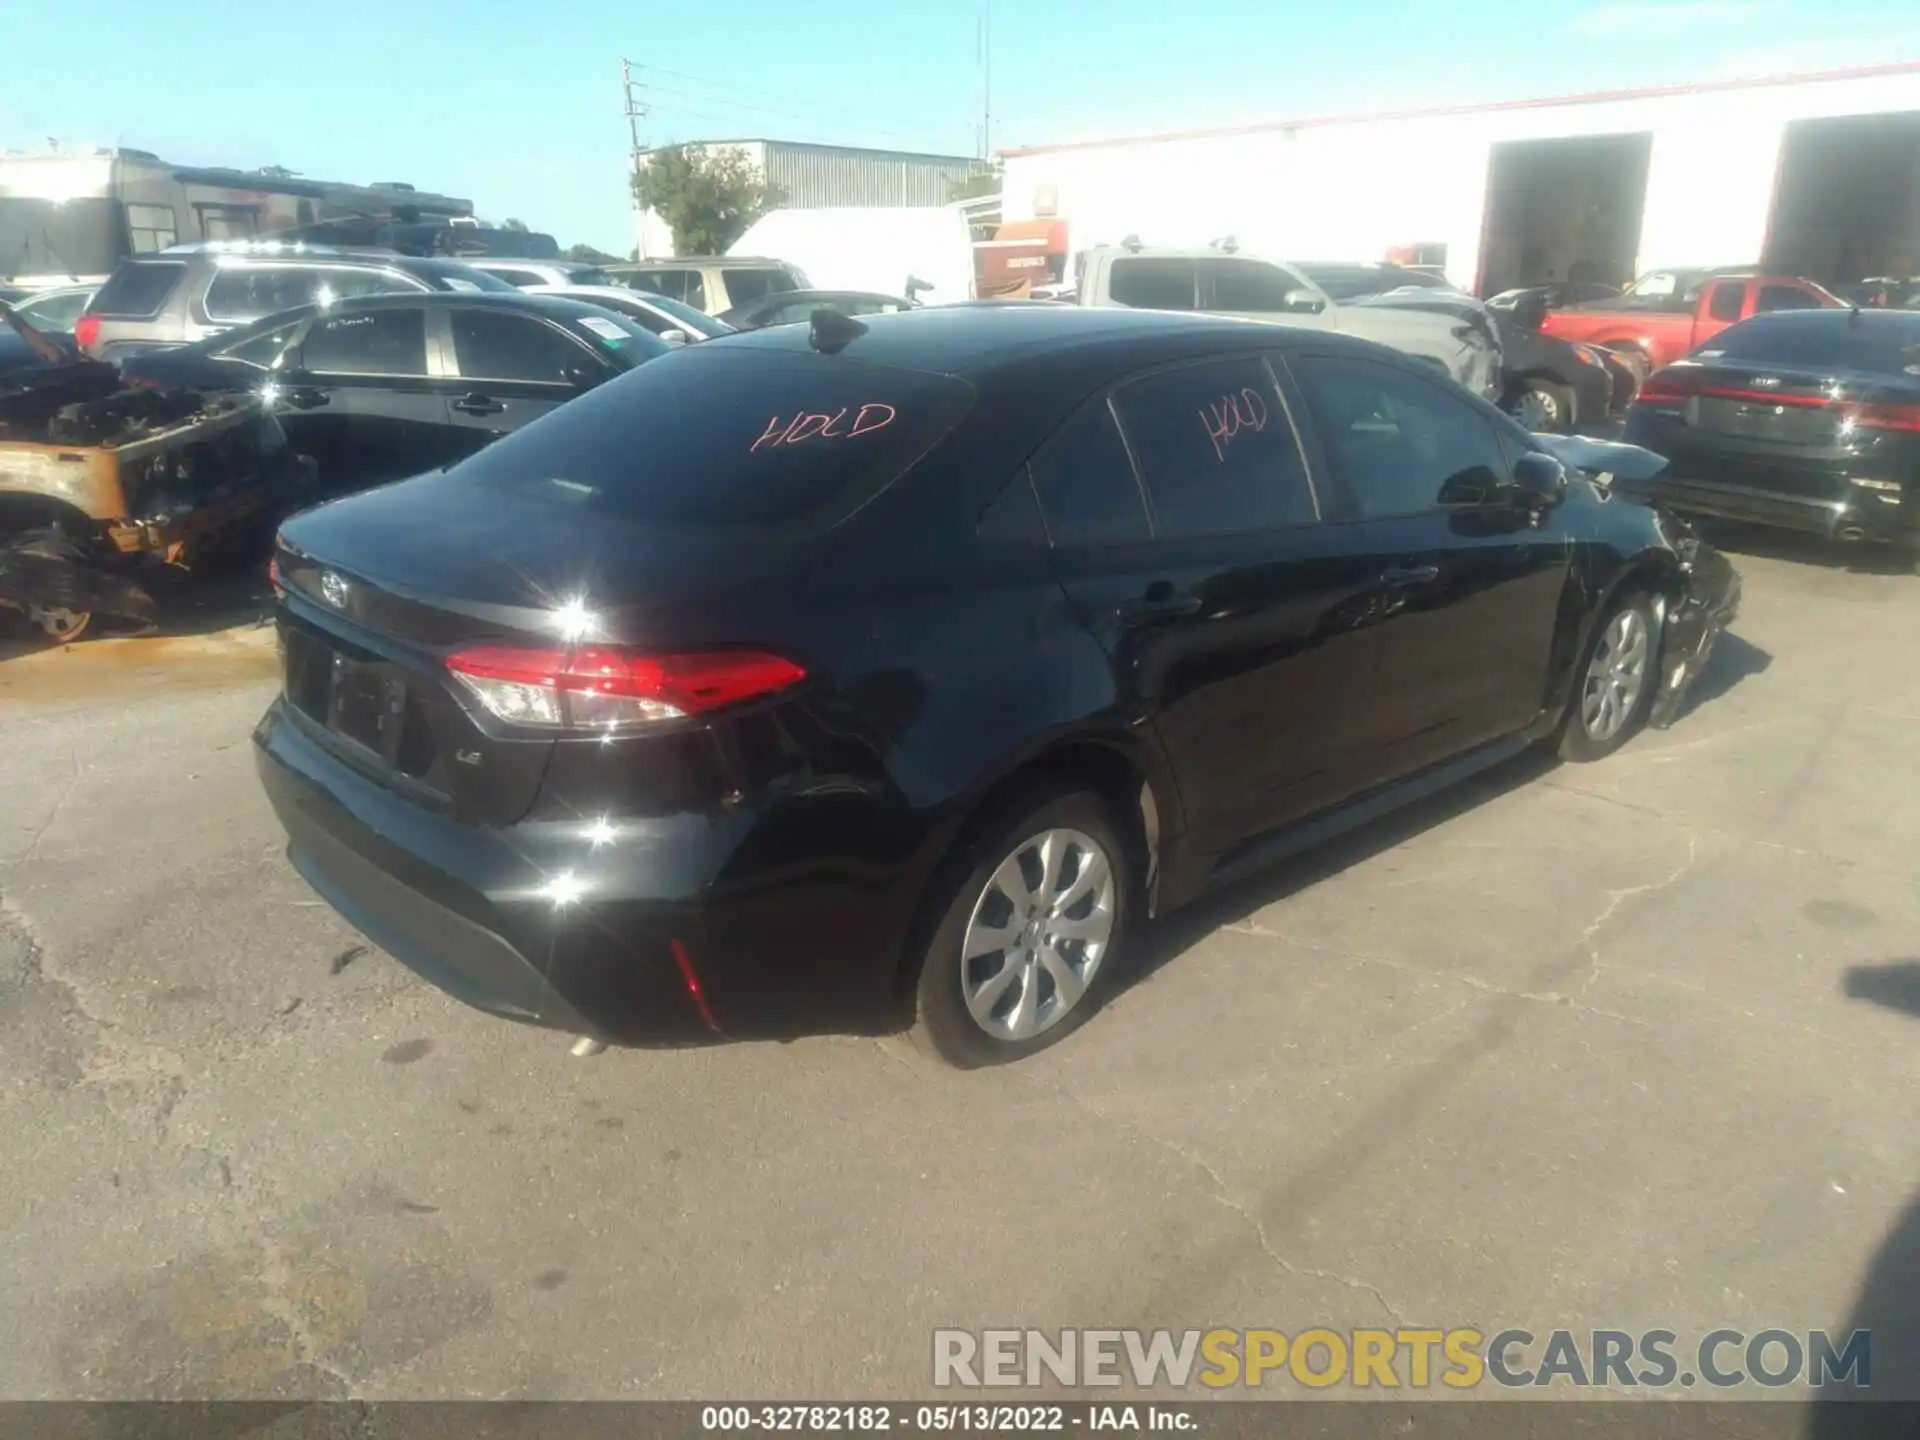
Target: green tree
[707,197]
[511,224]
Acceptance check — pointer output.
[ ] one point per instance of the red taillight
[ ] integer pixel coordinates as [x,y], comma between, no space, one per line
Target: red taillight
[273,576]
[1662,392]
[86,331]
[1887,417]
[598,687]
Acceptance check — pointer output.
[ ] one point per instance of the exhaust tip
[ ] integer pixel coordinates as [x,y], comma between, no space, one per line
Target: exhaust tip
[1852,534]
[586,1047]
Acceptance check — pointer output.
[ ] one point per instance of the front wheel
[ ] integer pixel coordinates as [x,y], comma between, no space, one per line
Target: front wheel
[1026,940]
[59,624]
[1615,686]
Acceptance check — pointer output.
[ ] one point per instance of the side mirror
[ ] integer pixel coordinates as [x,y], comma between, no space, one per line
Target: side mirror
[1302,302]
[676,337]
[1531,312]
[1539,482]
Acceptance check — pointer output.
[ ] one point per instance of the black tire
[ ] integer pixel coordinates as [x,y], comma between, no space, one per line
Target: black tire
[1555,400]
[1579,740]
[943,1023]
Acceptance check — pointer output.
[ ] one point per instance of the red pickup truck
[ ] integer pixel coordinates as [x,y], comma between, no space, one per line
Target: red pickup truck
[1670,313]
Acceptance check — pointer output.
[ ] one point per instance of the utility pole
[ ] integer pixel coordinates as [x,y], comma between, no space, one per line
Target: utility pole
[986,80]
[636,108]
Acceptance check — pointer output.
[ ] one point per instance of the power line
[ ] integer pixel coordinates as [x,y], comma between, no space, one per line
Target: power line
[813,117]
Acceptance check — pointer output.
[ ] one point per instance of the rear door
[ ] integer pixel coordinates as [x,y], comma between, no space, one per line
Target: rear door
[374,411]
[507,369]
[1471,588]
[1187,531]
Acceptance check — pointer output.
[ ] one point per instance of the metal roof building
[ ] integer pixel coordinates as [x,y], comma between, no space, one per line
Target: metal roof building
[819,176]
[1816,174]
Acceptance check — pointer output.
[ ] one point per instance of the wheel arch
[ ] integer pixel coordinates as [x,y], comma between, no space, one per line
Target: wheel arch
[1137,791]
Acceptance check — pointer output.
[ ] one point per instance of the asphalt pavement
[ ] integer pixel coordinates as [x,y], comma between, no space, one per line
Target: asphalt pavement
[1631,1045]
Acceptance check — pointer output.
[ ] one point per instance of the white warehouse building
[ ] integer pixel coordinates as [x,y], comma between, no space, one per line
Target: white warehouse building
[1815,174]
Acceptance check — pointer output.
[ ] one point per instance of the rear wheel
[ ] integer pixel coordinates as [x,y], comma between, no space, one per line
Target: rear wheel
[1543,406]
[1025,943]
[1615,686]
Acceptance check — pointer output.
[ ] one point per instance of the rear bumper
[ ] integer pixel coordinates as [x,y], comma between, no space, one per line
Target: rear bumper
[1859,509]
[674,928]
[474,911]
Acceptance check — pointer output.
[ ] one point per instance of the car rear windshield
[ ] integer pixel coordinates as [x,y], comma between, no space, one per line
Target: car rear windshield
[1886,343]
[138,288]
[711,438]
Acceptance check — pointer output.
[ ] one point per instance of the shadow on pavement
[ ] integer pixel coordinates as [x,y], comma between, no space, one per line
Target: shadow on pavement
[1763,542]
[1888,1304]
[1733,660]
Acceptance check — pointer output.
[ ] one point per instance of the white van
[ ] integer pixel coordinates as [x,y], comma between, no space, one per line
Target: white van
[879,248]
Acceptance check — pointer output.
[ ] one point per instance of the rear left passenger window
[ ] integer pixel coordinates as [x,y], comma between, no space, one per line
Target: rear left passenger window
[1725,304]
[1086,485]
[1216,450]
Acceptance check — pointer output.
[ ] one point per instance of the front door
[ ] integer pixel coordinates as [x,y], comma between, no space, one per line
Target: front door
[509,369]
[1188,533]
[1473,588]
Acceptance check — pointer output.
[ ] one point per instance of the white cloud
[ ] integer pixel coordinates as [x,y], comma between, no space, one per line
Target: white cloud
[1651,17]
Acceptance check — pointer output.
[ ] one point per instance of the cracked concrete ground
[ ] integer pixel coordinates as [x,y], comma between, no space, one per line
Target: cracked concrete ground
[1623,1045]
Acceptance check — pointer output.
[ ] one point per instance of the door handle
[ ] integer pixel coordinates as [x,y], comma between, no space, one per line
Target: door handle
[477,404]
[1157,606]
[1410,575]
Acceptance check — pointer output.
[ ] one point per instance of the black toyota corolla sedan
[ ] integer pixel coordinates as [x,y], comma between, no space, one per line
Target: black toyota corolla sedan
[895,671]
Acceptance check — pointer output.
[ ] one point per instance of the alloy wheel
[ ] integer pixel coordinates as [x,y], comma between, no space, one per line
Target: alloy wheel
[1537,410]
[58,623]
[1037,934]
[1616,676]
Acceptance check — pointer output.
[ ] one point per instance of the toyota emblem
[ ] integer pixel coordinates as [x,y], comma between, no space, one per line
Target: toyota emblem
[334,589]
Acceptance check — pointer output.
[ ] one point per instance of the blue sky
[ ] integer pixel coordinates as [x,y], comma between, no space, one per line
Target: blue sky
[518,105]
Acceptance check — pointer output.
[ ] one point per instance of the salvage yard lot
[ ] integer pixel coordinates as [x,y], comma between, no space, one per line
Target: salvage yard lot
[1620,1045]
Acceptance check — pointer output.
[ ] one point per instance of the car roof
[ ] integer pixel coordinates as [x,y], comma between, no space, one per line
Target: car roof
[680,260]
[557,307]
[976,341]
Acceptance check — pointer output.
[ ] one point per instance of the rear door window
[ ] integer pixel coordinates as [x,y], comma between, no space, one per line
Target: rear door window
[373,342]
[737,439]
[1216,449]
[263,349]
[686,286]
[136,291]
[1725,304]
[745,286]
[1784,297]
[1401,443]
[1154,282]
[1084,478]
[250,292]
[500,345]
[1248,285]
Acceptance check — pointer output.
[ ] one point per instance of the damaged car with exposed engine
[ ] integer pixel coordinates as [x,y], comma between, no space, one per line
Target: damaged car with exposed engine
[101,482]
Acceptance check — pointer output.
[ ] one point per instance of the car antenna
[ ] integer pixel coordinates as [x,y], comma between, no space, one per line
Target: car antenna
[832,332]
